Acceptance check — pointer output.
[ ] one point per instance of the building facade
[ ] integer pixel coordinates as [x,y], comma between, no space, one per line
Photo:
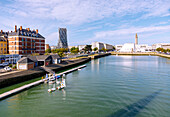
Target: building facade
[128,47]
[3,43]
[81,47]
[47,46]
[25,41]
[62,41]
[100,45]
[161,45]
[10,58]
[108,46]
[118,47]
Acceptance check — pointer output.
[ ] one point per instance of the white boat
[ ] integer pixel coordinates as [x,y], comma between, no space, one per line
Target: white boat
[51,82]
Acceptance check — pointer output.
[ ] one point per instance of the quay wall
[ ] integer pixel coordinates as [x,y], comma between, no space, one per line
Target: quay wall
[100,55]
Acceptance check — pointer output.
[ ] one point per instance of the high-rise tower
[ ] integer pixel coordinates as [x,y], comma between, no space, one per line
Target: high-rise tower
[62,41]
[136,39]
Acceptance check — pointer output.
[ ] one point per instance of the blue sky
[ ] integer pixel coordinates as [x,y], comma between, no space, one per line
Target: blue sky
[108,21]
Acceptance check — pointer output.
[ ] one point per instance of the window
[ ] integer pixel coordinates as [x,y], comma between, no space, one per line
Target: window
[4,45]
[4,49]
[22,39]
[1,44]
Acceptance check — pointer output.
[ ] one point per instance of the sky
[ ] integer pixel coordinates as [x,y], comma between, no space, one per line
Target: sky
[108,21]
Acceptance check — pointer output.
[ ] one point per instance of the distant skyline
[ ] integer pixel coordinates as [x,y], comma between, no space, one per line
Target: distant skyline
[108,21]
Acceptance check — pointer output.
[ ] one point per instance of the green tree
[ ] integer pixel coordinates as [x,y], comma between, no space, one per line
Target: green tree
[114,48]
[87,48]
[95,49]
[74,50]
[61,54]
[103,49]
[160,49]
[48,50]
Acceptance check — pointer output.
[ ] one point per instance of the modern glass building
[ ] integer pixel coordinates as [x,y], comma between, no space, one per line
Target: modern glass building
[62,41]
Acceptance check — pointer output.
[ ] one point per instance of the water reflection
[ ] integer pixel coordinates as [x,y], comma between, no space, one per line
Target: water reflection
[64,94]
[95,64]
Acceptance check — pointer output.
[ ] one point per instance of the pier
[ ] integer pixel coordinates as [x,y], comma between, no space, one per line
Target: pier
[22,88]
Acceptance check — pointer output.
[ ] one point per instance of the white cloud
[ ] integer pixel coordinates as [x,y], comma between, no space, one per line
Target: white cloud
[132,30]
[81,11]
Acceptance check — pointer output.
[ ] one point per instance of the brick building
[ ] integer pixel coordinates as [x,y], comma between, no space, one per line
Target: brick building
[25,41]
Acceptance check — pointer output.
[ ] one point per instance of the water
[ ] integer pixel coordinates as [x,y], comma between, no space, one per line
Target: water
[113,86]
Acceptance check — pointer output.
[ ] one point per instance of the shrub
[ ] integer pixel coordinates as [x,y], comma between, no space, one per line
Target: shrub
[14,67]
[10,65]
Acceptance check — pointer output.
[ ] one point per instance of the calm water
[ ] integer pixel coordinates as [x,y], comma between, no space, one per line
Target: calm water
[113,86]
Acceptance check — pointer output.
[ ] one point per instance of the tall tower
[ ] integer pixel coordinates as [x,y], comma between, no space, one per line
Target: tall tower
[62,41]
[136,39]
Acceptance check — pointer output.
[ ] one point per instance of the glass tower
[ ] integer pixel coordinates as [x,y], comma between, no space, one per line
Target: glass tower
[62,41]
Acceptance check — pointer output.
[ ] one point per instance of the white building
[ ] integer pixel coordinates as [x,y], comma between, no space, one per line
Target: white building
[128,47]
[118,47]
[53,47]
[143,48]
[161,45]
[108,46]
[81,47]
[100,45]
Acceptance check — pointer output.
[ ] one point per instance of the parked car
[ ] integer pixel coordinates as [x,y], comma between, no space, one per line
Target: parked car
[5,63]
[7,68]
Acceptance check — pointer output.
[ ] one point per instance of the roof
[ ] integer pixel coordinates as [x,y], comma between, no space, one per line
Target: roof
[25,32]
[55,56]
[33,58]
[2,39]
[25,60]
[4,34]
[42,57]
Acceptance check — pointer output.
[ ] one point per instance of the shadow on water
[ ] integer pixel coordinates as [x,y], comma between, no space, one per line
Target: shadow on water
[133,109]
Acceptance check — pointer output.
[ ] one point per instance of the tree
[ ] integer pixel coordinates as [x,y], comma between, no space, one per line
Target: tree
[74,50]
[160,49]
[61,54]
[103,49]
[114,48]
[87,48]
[48,50]
[95,49]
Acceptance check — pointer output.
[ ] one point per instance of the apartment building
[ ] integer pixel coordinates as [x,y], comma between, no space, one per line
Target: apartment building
[3,43]
[25,41]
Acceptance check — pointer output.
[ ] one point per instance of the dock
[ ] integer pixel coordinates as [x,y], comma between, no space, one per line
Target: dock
[22,88]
